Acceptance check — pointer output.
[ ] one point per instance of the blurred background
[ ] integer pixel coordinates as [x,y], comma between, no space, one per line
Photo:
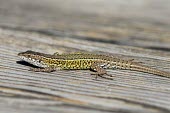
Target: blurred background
[141,23]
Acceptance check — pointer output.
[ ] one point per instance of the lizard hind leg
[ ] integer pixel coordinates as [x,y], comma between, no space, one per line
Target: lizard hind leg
[99,71]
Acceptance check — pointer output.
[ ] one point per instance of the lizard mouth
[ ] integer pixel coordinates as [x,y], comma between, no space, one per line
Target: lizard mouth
[33,61]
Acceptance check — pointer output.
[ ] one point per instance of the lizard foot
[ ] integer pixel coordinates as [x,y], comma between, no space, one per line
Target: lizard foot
[105,75]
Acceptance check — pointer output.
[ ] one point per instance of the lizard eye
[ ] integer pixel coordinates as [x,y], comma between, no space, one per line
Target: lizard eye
[28,55]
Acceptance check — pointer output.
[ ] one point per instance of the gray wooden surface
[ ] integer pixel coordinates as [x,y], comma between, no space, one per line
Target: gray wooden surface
[134,29]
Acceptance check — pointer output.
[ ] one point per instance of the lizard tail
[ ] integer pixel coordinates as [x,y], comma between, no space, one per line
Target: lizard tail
[142,68]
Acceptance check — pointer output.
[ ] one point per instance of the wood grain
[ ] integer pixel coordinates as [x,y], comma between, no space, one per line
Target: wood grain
[139,31]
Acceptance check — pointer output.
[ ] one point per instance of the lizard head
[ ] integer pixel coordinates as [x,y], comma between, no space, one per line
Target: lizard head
[32,58]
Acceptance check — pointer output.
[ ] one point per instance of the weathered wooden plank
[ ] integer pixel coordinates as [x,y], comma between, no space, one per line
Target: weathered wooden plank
[129,92]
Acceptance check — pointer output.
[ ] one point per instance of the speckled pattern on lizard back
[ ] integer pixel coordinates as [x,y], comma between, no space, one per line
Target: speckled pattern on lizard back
[94,62]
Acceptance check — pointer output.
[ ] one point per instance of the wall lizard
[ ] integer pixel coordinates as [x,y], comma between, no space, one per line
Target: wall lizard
[95,62]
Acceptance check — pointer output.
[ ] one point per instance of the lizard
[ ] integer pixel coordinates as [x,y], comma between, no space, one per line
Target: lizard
[81,61]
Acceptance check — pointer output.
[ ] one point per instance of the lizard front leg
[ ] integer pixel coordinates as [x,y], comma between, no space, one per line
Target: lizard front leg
[47,69]
[99,71]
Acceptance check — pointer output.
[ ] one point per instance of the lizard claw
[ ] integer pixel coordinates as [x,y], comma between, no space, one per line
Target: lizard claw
[103,76]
